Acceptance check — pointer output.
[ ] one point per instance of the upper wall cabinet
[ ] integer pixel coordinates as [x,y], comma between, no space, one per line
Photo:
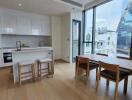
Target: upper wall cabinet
[8,23]
[45,25]
[21,23]
[36,26]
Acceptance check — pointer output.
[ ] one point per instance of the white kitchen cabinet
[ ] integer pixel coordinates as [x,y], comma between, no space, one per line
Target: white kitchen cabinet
[8,23]
[45,24]
[23,25]
[41,25]
[36,26]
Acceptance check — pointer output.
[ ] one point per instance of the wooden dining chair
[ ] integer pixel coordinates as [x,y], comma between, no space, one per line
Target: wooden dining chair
[85,64]
[113,73]
[129,71]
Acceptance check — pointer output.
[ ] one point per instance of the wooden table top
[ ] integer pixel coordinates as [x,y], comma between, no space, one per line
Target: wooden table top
[123,63]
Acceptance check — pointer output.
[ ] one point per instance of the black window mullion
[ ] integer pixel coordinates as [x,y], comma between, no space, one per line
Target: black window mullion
[131,47]
[84,24]
[83,30]
[93,30]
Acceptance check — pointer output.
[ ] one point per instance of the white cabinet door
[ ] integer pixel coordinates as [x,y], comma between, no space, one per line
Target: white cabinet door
[45,24]
[8,23]
[24,25]
[36,26]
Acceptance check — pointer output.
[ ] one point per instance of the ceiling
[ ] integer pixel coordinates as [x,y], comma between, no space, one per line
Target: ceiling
[50,7]
[83,2]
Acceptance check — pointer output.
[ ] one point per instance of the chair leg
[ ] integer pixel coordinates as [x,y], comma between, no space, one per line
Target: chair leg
[96,73]
[75,70]
[116,91]
[107,83]
[77,73]
[97,81]
[87,73]
[125,85]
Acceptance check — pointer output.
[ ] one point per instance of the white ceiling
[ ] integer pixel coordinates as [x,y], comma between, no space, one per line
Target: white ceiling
[50,7]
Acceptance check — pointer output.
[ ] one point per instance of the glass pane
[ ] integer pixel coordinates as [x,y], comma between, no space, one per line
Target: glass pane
[75,41]
[113,36]
[88,25]
[87,48]
[124,30]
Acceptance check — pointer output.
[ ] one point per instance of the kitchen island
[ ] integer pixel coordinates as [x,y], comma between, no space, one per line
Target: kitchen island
[31,54]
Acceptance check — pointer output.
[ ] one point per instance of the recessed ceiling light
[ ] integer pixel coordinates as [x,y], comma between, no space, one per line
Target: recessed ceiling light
[19,4]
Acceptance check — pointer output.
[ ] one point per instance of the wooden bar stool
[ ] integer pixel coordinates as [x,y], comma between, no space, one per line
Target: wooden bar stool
[46,70]
[24,74]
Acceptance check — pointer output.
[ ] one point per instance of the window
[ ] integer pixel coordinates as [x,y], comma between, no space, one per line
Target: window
[88,31]
[113,27]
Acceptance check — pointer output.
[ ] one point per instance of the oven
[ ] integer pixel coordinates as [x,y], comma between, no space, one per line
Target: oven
[7,57]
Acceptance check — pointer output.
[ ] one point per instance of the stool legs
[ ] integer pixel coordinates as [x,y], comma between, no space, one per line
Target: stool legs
[30,72]
[19,73]
[40,69]
[33,72]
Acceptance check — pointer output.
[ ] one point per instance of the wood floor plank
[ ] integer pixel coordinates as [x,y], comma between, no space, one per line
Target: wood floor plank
[63,86]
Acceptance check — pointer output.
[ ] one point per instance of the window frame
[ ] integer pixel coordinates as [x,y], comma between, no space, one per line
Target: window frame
[94,27]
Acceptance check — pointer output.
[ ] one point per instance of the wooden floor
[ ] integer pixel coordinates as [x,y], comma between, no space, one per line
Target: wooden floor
[62,86]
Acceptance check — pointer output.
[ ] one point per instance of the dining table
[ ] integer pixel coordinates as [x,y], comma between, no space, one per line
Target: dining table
[123,63]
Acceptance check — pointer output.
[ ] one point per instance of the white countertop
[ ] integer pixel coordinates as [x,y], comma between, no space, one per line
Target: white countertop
[27,49]
[32,49]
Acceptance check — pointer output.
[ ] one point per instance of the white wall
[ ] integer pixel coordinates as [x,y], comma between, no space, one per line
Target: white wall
[66,27]
[67,34]
[56,36]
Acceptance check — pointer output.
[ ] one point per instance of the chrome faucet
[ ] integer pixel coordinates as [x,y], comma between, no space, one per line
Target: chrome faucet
[18,45]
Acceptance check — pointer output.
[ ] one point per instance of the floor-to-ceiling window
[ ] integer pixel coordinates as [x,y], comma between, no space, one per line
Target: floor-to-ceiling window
[88,31]
[113,28]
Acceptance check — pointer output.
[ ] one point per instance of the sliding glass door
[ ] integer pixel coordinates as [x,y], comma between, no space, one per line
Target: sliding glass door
[111,27]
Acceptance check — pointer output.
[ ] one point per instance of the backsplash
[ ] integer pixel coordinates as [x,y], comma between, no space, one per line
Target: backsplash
[32,41]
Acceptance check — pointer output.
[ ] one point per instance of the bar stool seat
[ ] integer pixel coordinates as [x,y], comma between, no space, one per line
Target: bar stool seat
[45,70]
[28,62]
[45,60]
[23,74]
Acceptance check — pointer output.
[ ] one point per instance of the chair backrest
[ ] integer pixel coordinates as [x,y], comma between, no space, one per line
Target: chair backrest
[110,67]
[82,60]
[101,54]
